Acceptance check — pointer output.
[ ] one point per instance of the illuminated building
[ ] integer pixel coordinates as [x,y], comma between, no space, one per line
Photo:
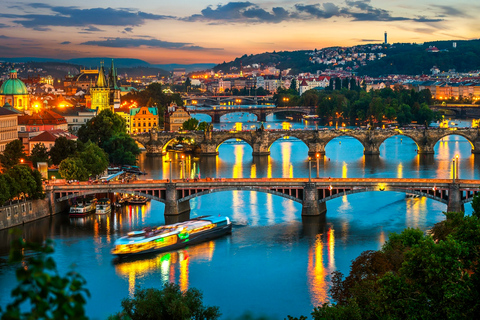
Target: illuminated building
[175,116]
[124,112]
[8,127]
[143,119]
[100,93]
[15,93]
[75,116]
[41,120]
[115,92]
[81,81]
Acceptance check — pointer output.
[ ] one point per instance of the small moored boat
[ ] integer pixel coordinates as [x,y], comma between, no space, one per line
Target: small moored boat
[172,237]
[103,206]
[83,208]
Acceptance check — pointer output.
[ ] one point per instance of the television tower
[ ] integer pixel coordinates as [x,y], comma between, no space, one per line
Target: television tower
[386,42]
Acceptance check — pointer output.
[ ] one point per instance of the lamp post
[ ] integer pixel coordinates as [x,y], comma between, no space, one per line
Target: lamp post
[456,168]
[183,166]
[318,160]
[309,169]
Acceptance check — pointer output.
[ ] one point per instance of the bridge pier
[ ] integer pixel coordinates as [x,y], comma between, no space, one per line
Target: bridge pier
[455,198]
[314,148]
[371,149]
[310,205]
[216,117]
[208,149]
[172,206]
[263,116]
[476,146]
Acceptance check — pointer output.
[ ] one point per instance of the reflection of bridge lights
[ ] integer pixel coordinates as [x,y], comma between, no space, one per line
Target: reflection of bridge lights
[381,187]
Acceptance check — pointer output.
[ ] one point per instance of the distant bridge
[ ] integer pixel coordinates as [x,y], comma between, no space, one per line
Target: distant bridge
[227,100]
[311,193]
[458,110]
[261,140]
[261,112]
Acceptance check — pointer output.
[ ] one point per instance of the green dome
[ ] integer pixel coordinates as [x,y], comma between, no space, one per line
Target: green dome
[13,86]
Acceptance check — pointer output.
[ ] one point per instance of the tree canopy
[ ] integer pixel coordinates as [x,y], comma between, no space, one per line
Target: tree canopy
[62,149]
[73,168]
[14,151]
[122,149]
[102,127]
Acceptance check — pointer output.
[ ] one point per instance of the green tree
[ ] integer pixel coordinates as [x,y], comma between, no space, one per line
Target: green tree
[12,154]
[203,126]
[168,303]
[190,125]
[38,154]
[404,115]
[122,149]
[425,115]
[94,159]
[48,294]
[27,183]
[72,168]
[62,149]
[102,127]
[5,186]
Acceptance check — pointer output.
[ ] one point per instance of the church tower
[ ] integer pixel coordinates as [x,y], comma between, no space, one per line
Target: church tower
[100,93]
[114,89]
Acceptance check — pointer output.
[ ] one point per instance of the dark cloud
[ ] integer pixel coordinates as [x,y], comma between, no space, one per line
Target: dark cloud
[92,29]
[3,25]
[451,11]
[65,42]
[153,43]
[370,40]
[248,12]
[127,30]
[75,17]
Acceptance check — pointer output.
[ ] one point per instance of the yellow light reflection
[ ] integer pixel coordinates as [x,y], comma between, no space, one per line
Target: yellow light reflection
[316,273]
[269,167]
[184,261]
[253,171]
[287,167]
[238,153]
[344,170]
[400,171]
[331,248]
[416,209]
[381,238]
[270,212]
[254,208]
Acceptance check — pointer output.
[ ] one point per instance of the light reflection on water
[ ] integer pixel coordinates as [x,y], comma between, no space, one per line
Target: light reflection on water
[274,263]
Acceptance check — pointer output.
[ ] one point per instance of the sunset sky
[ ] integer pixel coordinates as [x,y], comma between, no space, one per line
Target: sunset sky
[194,31]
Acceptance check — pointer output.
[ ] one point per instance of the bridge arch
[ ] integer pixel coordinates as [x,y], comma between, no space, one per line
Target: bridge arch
[454,133]
[375,189]
[240,188]
[401,134]
[95,191]
[248,111]
[195,115]
[345,134]
[293,110]
[220,142]
[282,135]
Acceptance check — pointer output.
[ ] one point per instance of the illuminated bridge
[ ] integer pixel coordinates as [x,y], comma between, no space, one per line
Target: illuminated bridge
[261,140]
[312,194]
[217,112]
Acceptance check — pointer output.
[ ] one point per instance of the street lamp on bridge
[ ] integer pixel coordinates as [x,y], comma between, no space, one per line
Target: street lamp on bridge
[455,168]
[317,155]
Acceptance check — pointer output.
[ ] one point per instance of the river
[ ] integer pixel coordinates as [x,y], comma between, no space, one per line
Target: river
[273,264]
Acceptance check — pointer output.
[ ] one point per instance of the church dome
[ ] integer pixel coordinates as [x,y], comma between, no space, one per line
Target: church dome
[13,86]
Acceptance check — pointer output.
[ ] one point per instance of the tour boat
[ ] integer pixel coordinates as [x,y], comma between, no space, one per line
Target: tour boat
[103,206]
[83,208]
[172,237]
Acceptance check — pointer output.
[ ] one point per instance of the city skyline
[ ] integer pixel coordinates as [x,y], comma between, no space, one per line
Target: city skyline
[209,32]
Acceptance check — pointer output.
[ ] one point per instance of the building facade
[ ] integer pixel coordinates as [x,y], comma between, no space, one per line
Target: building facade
[175,116]
[8,127]
[143,119]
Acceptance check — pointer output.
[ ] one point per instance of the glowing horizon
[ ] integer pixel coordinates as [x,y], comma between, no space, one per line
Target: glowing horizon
[162,32]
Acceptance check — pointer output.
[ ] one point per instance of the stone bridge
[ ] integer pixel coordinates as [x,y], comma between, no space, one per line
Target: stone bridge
[459,110]
[218,100]
[261,140]
[218,111]
[311,193]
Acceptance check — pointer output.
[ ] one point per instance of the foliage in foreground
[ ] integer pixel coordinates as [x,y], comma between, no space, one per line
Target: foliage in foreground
[169,303]
[50,295]
[414,276]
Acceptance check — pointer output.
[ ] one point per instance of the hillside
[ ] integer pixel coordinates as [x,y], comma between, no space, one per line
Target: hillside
[398,58]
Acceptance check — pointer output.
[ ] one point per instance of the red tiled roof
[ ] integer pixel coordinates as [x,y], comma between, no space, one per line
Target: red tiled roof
[52,135]
[44,117]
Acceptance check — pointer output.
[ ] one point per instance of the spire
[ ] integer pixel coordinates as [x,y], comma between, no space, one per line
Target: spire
[112,81]
[101,81]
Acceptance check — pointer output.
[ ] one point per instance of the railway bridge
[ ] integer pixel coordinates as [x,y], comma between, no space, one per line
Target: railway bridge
[311,193]
[261,140]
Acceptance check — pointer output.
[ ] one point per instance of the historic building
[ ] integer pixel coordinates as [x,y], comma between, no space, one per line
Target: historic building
[105,94]
[75,116]
[124,112]
[81,81]
[143,119]
[8,127]
[47,138]
[14,92]
[42,120]
[175,116]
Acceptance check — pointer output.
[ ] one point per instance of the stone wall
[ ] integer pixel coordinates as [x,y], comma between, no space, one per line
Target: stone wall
[22,212]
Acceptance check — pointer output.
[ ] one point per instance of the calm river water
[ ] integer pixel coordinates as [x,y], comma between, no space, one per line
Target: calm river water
[273,264]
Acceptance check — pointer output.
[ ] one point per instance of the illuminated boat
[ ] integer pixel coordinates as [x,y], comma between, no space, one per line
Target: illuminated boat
[172,237]
[82,209]
[137,200]
[103,206]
